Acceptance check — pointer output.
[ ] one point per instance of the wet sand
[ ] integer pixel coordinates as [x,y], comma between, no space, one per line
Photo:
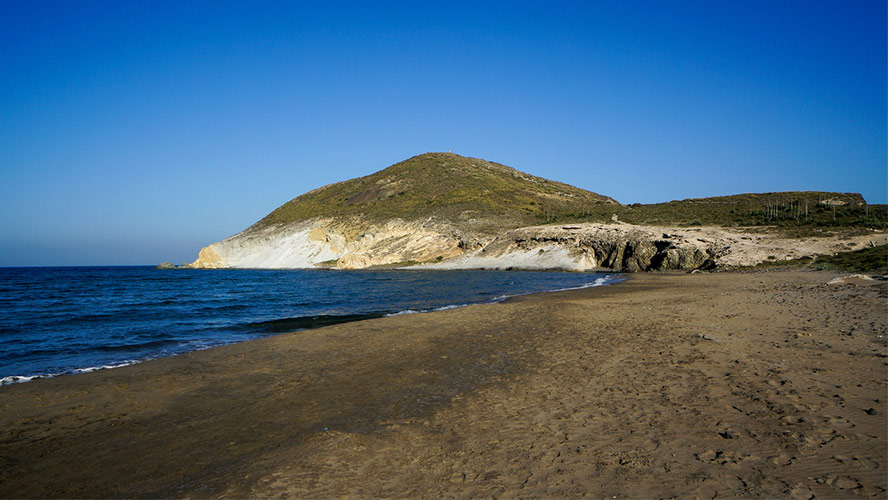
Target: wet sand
[687,385]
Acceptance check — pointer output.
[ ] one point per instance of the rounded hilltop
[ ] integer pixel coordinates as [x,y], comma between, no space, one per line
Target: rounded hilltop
[483,195]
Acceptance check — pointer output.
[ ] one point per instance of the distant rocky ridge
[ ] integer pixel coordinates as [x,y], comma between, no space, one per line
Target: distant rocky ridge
[446,211]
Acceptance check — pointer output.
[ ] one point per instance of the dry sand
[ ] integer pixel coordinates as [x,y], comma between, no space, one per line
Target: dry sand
[691,385]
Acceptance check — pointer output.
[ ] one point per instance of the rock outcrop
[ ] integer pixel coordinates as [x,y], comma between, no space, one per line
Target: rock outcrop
[632,248]
[352,244]
[618,247]
[342,244]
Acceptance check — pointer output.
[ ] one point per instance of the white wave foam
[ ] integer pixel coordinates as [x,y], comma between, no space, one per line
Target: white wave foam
[401,313]
[600,281]
[104,367]
[444,308]
[413,311]
[18,379]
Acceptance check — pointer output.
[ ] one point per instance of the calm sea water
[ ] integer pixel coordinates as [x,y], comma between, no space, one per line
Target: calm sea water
[71,320]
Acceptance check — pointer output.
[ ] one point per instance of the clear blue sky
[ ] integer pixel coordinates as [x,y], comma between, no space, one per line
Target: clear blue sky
[137,132]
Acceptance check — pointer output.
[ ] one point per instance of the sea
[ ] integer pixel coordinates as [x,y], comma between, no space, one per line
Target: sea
[68,320]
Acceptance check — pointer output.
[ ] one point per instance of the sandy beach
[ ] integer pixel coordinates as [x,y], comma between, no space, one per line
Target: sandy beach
[765,384]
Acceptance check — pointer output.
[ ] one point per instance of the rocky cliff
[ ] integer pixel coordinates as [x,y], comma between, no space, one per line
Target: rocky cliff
[581,247]
[339,243]
[632,248]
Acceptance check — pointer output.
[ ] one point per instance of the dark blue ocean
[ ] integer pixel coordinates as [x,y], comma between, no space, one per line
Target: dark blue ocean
[67,320]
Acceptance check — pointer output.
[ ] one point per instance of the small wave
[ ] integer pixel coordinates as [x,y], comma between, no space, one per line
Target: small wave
[136,347]
[405,311]
[603,280]
[105,367]
[452,306]
[414,311]
[18,379]
[89,318]
[229,307]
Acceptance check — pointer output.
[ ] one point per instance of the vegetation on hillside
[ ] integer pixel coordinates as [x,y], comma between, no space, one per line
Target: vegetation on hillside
[798,213]
[445,186]
[484,196]
[865,260]
[870,259]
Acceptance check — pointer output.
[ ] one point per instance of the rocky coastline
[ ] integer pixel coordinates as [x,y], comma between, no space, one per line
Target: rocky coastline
[349,244]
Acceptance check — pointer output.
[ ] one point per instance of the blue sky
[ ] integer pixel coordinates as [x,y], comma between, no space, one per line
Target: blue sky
[137,132]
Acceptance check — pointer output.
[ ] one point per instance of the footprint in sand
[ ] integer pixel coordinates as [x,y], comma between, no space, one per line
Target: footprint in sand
[722,457]
[865,462]
[840,482]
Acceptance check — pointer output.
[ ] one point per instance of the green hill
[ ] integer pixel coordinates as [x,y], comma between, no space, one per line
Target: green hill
[471,192]
[487,197]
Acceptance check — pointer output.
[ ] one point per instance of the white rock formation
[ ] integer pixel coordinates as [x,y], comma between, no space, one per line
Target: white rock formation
[580,247]
[326,243]
[627,247]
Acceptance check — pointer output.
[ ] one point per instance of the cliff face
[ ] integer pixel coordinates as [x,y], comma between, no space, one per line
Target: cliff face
[331,243]
[632,248]
[582,247]
[600,246]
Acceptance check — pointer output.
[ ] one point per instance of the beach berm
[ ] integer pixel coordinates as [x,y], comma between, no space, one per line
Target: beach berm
[767,384]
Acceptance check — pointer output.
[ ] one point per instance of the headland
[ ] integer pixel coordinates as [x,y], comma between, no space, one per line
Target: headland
[444,210]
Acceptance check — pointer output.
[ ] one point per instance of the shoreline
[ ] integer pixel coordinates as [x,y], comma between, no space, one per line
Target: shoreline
[736,384]
[310,322]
